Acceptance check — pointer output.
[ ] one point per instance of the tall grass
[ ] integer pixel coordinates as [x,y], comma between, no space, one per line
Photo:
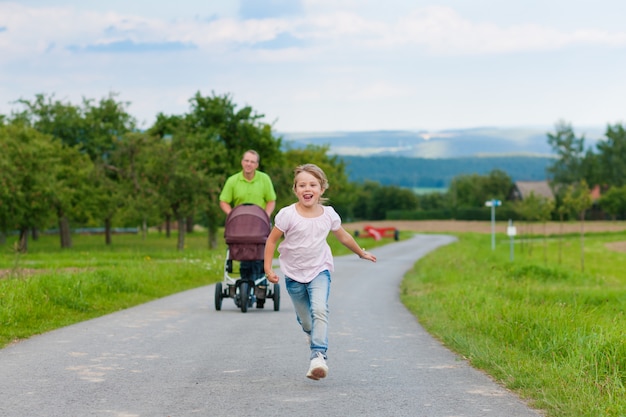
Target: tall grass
[545,329]
[49,288]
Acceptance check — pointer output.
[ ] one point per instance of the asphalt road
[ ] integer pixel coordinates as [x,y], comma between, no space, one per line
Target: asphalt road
[177,356]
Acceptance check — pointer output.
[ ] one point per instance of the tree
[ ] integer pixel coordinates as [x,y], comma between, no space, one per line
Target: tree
[239,129]
[389,198]
[65,122]
[105,124]
[577,199]
[544,213]
[614,201]
[569,148]
[70,190]
[29,162]
[93,129]
[191,169]
[137,157]
[473,190]
[198,145]
[612,156]
[216,120]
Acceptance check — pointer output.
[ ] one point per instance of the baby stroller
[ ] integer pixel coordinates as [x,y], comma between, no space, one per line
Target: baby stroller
[246,230]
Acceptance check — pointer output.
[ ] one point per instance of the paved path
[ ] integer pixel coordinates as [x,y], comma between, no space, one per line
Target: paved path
[177,356]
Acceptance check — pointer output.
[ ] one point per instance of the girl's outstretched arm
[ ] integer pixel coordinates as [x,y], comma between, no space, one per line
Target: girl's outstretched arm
[270,248]
[348,241]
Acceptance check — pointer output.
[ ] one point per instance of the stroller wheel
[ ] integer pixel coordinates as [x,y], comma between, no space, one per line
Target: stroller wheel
[218,296]
[276,297]
[244,293]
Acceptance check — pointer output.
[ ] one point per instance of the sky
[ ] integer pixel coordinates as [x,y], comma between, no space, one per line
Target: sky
[327,65]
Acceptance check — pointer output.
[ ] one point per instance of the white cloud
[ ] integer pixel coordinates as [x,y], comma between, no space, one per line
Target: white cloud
[330,64]
[438,30]
[442,30]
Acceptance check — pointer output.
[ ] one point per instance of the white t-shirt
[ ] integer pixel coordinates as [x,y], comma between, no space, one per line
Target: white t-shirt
[304,252]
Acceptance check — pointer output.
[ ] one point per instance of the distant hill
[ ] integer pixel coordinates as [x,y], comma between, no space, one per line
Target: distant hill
[437,173]
[421,159]
[484,141]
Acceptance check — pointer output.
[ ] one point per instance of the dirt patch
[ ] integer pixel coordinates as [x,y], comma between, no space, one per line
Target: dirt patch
[458,226]
[19,272]
[617,246]
[27,272]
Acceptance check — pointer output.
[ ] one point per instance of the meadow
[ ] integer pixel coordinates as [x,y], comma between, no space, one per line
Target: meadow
[536,322]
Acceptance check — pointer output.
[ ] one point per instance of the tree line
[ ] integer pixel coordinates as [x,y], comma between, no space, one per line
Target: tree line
[438,173]
[66,165]
[573,173]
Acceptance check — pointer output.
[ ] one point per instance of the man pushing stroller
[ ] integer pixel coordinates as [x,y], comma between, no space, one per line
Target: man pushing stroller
[249,186]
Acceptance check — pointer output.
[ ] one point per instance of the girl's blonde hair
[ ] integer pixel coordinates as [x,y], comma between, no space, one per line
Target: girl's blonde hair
[317,172]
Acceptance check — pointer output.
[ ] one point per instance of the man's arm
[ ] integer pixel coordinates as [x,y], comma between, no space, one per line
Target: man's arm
[269,208]
[226,208]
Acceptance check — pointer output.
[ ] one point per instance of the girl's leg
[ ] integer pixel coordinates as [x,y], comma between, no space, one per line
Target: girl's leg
[311,304]
[319,289]
[300,298]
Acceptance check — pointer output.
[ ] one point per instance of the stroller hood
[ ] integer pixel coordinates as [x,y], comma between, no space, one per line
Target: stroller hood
[247,223]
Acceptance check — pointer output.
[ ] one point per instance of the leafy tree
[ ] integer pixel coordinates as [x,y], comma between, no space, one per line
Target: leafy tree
[433,201]
[64,121]
[136,157]
[544,214]
[528,209]
[612,156]
[70,191]
[239,129]
[207,158]
[473,190]
[106,123]
[375,200]
[229,132]
[389,198]
[614,201]
[61,120]
[94,129]
[29,162]
[191,170]
[364,195]
[570,151]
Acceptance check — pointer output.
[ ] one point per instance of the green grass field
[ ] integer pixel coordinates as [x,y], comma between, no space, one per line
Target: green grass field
[543,328]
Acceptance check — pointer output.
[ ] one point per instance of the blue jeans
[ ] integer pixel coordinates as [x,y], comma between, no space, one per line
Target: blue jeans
[311,304]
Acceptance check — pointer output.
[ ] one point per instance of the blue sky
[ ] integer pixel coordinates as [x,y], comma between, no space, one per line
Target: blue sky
[328,65]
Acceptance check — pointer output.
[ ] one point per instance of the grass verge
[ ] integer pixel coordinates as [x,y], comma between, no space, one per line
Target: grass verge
[542,327]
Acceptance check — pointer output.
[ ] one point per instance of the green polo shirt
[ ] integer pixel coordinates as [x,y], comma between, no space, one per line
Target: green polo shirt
[238,190]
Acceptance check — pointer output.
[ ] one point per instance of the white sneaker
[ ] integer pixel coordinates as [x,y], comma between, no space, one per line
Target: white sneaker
[318,368]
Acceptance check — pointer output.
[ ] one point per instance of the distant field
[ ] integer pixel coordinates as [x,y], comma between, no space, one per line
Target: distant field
[428,190]
[461,226]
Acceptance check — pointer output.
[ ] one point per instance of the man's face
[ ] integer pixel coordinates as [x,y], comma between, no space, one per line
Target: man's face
[249,163]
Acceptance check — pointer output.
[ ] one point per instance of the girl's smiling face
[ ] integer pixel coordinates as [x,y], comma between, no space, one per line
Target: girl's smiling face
[308,189]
